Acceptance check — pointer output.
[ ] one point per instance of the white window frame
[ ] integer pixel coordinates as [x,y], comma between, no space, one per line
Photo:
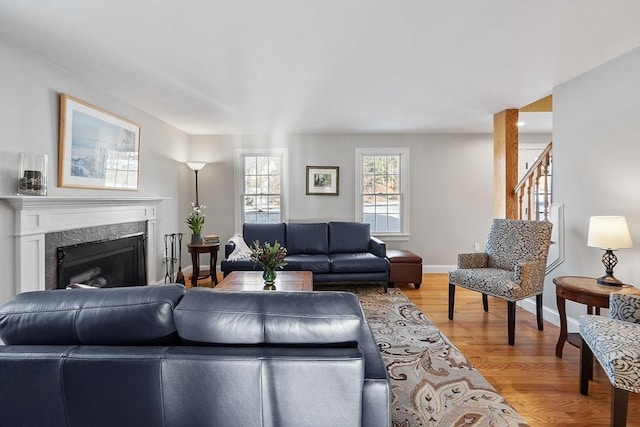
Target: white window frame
[403,152]
[239,155]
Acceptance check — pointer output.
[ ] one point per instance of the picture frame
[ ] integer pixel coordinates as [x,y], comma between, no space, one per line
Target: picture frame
[323,181]
[97,149]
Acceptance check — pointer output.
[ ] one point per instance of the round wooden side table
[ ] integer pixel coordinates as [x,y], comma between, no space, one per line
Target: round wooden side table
[584,290]
[204,248]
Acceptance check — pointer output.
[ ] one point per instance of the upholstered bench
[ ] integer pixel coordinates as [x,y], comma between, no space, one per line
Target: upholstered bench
[404,267]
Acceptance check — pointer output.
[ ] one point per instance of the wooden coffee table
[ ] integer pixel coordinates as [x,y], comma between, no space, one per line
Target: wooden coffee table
[290,281]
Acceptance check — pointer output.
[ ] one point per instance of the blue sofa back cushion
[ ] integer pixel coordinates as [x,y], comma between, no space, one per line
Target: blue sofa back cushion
[348,237]
[137,315]
[269,318]
[309,239]
[264,233]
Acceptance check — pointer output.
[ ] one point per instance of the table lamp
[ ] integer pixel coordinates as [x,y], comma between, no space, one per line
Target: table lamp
[196,166]
[609,233]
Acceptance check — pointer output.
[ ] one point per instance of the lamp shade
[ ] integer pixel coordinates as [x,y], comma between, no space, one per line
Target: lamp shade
[196,166]
[609,232]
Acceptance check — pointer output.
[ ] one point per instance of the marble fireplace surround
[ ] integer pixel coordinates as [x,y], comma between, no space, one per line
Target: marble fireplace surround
[35,216]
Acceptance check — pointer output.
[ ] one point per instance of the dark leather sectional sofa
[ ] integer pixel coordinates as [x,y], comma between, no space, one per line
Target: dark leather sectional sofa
[335,252]
[161,356]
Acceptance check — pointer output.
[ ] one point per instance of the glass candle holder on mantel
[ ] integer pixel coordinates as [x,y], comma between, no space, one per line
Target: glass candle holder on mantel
[32,174]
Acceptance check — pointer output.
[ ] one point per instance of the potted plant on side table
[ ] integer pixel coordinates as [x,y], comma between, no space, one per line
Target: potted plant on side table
[195,221]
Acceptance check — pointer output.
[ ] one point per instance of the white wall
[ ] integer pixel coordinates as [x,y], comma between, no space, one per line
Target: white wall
[29,117]
[450,184]
[534,139]
[596,170]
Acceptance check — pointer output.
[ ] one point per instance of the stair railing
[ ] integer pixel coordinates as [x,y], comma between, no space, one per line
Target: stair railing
[534,189]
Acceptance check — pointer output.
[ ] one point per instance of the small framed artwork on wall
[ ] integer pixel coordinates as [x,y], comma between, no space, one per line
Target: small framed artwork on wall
[323,180]
[97,149]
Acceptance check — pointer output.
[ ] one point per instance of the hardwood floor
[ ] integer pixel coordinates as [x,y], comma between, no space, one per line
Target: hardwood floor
[540,386]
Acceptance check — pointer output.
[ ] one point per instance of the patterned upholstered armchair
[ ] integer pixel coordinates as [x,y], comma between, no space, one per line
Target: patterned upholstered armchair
[511,268]
[615,341]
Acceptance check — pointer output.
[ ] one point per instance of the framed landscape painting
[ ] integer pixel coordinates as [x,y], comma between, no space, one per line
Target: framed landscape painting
[97,149]
[323,180]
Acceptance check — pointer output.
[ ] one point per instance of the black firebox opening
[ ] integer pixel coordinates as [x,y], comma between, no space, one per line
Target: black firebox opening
[104,264]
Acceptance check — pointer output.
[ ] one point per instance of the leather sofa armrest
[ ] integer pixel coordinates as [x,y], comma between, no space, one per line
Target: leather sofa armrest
[377,247]
[473,260]
[228,249]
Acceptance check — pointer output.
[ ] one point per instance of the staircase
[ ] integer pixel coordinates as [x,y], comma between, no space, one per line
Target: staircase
[533,192]
[534,203]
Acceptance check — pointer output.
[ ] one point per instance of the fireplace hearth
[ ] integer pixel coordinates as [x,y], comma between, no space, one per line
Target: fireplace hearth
[103,264]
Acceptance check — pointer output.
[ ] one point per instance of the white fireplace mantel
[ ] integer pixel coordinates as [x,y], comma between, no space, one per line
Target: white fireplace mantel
[39,215]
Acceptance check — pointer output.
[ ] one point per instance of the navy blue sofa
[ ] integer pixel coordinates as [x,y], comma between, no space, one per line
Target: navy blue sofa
[150,356]
[335,252]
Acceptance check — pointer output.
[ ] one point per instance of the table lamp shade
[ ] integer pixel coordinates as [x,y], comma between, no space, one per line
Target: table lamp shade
[609,232]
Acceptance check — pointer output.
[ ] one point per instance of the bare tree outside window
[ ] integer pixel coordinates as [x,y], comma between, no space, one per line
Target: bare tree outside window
[261,195]
[381,196]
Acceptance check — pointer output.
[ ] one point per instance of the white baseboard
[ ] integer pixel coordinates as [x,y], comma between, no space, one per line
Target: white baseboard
[549,314]
[437,268]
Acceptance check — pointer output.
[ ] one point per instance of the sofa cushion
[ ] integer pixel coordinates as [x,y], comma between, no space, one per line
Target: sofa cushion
[316,264]
[358,263]
[308,239]
[108,316]
[258,318]
[227,266]
[348,237]
[264,233]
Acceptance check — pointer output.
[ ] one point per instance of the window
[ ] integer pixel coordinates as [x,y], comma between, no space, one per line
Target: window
[260,180]
[381,176]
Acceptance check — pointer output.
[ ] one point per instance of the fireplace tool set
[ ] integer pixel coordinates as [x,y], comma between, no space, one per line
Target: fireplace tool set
[172,242]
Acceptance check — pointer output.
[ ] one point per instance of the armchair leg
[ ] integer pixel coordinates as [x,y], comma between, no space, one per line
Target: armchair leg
[586,367]
[619,404]
[485,302]
[452,297]
[511,321]
[539,312]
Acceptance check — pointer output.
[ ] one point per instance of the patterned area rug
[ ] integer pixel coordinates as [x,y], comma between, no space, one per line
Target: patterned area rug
[432,382]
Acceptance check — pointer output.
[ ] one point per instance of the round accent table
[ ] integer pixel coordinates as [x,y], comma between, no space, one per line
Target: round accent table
[584,290]
[204,248]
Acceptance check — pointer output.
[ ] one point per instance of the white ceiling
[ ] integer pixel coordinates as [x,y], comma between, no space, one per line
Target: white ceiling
[325,66]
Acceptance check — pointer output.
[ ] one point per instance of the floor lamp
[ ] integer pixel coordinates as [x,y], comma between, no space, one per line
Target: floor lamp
[196,167]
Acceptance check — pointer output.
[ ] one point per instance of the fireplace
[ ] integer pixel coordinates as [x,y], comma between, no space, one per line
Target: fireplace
[37,219]
[103,264]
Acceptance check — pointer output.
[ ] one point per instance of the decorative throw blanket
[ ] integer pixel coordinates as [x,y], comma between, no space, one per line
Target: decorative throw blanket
[241,251]
[432,382]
